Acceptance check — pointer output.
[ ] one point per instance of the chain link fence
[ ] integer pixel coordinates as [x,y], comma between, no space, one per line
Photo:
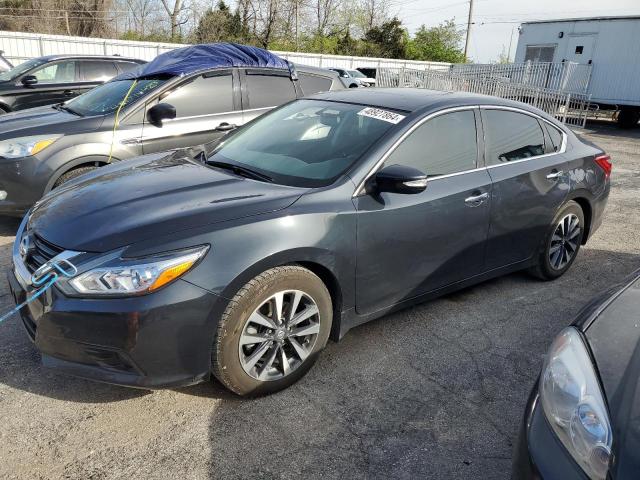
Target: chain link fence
[570,108]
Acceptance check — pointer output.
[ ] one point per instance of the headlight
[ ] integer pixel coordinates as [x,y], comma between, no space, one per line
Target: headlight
[574,405]
[133,277]
[25,146]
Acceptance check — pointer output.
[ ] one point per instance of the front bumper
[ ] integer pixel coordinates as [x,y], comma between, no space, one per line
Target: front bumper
[23,183]
[163,339]
[539,454]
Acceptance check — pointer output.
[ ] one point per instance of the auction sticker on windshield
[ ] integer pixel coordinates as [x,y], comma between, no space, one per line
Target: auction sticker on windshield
[381,114]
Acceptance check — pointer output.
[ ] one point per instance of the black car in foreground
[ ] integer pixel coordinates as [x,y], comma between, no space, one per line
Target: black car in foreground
[583,416]
[321,215]
[57,78]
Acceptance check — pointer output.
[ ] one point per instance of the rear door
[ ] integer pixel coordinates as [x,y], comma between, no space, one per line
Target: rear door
[409,245]
[207,106]
[529,184]
[264,89]
[93,73]
[56,84]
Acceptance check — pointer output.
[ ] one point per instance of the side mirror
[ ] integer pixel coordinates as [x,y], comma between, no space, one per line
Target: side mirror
[400,179]
[29,80]
[160,112]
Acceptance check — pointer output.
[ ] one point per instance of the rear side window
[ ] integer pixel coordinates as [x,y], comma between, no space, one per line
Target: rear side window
[556,138]
[443,145]
[511,136]
[202,96]
[314,83]
[269,90]
[94,71]
[60,72]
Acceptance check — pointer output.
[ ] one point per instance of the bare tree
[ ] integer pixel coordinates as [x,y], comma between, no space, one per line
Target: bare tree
[175,13]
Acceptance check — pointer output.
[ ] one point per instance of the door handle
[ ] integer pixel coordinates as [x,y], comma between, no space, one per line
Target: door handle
[476,200]
[225,127]
[554,175]
[68,93]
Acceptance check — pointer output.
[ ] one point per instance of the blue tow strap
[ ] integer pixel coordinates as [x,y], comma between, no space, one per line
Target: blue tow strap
[45,277]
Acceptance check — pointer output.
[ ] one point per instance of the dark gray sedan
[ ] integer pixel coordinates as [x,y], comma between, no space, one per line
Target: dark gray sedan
[321,215]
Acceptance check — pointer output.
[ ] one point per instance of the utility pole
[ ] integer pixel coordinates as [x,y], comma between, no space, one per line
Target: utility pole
[296,4]
[510,43]
[469,22]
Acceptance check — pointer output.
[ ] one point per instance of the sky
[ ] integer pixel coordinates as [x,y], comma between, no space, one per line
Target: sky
[495,21]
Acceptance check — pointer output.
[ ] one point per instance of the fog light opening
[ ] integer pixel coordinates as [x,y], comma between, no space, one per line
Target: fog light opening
[3,195]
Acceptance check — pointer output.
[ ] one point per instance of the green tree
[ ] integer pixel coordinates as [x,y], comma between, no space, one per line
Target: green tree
[389,40]
[437,44]
[217,25]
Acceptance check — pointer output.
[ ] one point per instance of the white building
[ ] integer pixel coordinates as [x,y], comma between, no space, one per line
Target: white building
[611,45]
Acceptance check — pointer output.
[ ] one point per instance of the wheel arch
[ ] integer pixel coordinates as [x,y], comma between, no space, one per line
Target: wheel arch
[89,161]
[317,261]
[582,198]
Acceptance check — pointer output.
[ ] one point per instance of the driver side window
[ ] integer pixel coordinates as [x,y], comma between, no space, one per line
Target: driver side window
[443,145]
[60,72]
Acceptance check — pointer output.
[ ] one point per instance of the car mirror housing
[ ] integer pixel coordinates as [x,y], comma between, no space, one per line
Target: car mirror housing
[400,179]
[160,112]
[29,80]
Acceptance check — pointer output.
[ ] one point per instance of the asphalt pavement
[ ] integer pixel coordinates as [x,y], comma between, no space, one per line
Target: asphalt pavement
[435,391]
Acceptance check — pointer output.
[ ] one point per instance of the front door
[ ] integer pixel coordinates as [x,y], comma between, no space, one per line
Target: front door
[409,245]
[207,106]
[56,83]
[530,183]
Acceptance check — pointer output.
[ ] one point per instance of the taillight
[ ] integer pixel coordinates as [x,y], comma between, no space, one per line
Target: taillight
[604,162]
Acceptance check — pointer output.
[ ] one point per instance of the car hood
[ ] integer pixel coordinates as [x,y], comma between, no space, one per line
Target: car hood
[149,197]
[614,337]
[41,121]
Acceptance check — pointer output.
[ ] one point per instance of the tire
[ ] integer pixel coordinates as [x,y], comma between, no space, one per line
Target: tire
[71,174]
[628,118]
[353,85]
[561,243]
[245,369]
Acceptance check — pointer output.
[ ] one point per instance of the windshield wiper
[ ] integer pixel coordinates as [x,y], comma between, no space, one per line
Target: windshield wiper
[62,106]
[240,170]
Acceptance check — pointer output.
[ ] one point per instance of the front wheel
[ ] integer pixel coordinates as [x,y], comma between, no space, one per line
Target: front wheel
[561,244]
[272,332]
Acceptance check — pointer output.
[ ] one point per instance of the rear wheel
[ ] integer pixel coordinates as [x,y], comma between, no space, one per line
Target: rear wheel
[71,174]
[562,243]
[272,331]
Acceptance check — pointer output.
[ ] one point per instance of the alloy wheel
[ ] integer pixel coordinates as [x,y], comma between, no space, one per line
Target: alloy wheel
[565,241]
[279,335]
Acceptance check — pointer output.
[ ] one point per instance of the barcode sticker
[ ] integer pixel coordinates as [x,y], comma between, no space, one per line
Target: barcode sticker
[380,114]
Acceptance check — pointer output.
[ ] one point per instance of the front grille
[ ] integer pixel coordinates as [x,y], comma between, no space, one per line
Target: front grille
[42,252]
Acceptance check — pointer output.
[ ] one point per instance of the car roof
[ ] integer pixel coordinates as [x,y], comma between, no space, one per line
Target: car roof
[50,58]
[414,99]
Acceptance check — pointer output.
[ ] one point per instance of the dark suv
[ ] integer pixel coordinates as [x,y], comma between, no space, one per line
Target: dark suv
[43,148]
[57,78]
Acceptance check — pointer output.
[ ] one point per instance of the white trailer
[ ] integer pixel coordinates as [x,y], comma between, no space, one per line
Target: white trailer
[611,45]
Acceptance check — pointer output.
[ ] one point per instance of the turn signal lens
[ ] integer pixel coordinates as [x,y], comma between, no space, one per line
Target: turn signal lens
[171,274]
[41,145]
[604,162]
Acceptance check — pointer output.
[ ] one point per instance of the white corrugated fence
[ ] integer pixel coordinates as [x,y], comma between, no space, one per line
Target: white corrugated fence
[18,47]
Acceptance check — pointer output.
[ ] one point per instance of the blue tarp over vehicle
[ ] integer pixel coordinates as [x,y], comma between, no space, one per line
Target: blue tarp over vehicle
[184,61]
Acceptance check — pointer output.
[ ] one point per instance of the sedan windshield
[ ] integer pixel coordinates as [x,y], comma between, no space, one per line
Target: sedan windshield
[357,74]
[107,98]
[19,70]
[307,143]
